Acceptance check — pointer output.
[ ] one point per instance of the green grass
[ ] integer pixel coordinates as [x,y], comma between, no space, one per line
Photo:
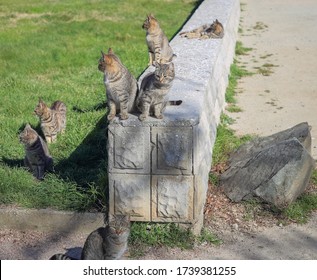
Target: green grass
[226,142]
[300,210]
[241,50]
[171,235]
[236,73]
[50,49]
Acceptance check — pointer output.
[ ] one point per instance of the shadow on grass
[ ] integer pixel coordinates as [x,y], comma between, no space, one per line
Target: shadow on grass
[87,165]
[97,107]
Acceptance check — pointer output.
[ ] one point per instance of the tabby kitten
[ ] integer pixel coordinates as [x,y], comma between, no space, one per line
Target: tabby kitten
[206,31]
[105,243]
[153,91]
[121,86]
[159,48]
[53,119]
[37,157]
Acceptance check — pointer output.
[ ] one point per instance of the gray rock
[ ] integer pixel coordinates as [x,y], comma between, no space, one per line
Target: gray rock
[276,168]
[300,131]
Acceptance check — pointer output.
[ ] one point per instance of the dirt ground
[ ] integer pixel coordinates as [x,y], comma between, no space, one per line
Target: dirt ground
[283,36]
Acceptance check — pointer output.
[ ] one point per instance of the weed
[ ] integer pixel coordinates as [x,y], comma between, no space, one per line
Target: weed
[169,234]
[208,237]
[260,26]
[236,73]
[241,50]
[226,143]
[232,108]
[266,56]
[300,210]
[154,234]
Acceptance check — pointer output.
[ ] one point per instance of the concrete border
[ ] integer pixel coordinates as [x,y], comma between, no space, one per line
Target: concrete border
[48,220]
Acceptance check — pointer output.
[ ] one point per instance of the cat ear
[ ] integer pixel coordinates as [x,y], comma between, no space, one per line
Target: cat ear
[41,102]
[102,53]
[110,51]
[108,59]
[27,126]
[217,21]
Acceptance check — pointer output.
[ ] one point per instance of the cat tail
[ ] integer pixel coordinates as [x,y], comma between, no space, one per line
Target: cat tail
[61,257]
[174,102]
[171,103]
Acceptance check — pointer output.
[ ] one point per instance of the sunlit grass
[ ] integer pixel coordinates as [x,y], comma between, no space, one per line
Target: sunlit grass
[50,49]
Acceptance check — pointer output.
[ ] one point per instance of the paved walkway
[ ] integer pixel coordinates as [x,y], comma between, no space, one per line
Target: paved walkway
[283,35]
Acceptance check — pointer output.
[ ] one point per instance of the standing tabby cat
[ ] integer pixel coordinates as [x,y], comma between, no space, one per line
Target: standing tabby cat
[159,48]
[105,243]
[121,86]
[37,157]
[153,91]
[53,119]
[206,31]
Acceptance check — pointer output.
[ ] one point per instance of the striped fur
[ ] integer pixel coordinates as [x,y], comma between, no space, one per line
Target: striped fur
[206,31]
[53,119]
[159,48]
[37,157]
[153,91]
[110,242]
[105,243]
[61,257]
[121,86]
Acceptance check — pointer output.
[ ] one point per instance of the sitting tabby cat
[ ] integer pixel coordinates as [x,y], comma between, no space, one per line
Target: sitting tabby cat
[105,243]
[121,86]
[206,31]
[153,91]
[37,157]
[53,119]
[159,48]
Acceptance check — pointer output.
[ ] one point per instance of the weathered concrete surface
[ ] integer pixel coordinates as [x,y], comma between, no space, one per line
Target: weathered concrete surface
[276,168]
[158,169]
[285,37]
[48,220]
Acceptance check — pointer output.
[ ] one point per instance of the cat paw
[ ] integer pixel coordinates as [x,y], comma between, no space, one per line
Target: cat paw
[110,117]
[142,117]
[159,116]
[124,116]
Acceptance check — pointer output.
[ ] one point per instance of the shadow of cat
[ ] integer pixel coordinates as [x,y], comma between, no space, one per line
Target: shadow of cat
[13,162]
[74,252]
[87,164]
[97,107]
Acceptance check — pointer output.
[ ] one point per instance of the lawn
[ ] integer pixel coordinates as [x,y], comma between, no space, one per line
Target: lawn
[50,49]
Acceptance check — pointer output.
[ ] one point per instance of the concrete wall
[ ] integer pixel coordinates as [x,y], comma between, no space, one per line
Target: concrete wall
[158,169]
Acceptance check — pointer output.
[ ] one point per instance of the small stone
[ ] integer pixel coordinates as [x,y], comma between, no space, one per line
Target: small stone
[235,227]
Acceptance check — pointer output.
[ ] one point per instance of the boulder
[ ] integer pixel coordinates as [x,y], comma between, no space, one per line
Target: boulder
[276,168]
